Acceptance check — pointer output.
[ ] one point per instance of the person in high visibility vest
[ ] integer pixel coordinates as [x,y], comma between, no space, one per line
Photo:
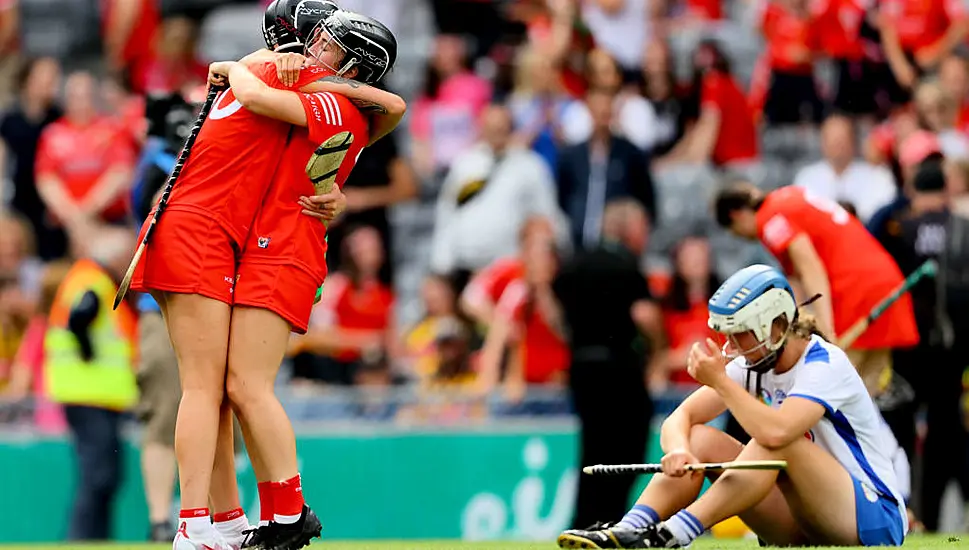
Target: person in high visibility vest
[89,358]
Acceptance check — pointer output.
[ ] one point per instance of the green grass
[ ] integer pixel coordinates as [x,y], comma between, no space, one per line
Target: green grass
[919,542]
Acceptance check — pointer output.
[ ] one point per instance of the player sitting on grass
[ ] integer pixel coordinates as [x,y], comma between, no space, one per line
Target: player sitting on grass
[801,401]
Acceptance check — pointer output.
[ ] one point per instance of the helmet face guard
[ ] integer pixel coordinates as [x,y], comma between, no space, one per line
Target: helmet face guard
[337,31]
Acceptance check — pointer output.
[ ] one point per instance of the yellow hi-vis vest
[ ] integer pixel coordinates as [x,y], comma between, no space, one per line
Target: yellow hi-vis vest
[108,380]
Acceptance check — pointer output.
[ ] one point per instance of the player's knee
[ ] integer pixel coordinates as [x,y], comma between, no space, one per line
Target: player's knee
[242,393]
[709,444]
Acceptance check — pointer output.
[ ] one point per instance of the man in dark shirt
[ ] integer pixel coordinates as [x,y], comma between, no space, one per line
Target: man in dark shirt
[605,305]
[936,372]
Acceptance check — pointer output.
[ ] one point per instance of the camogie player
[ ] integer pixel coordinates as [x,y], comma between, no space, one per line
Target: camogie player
[191,268]
[829,252]
[801,401]
[283,262]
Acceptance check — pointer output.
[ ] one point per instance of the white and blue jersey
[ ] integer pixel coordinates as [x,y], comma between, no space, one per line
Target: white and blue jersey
[851,430]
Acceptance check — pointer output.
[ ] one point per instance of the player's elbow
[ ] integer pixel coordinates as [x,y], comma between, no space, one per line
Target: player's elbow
[396,106]
[775,437]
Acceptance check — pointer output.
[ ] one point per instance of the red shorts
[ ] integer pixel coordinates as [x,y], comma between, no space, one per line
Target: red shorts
[188,253]
[894,329]
[283,263]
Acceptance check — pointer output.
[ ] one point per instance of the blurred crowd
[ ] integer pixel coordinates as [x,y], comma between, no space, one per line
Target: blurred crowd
[527,119]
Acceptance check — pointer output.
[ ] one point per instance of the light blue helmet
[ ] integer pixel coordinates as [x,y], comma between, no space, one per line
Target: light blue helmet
[751,300]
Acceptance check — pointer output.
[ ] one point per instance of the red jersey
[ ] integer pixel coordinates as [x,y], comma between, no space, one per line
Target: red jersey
[283,233]
[367,307]
[683,328]
[737,139]
[544,354]
[489,283]
[790,39]
[921,23]
[80,155]
[234,159]
[838,27]
[861,273]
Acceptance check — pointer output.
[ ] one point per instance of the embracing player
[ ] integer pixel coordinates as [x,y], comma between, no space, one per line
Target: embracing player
[283,262]
[830,253]
[192,265]
[801,401]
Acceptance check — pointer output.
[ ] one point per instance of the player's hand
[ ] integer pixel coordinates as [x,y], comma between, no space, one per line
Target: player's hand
[219,73]
[326,207]
[674,461]
[288,66]
[706,363]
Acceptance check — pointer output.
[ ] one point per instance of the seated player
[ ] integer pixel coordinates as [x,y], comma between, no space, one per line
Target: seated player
[801,401]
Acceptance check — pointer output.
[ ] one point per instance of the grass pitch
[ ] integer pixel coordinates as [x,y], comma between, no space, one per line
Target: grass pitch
[915,542]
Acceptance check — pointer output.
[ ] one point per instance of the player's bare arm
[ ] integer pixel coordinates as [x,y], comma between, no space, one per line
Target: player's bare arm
[814,280]
[698,408]
[385,109]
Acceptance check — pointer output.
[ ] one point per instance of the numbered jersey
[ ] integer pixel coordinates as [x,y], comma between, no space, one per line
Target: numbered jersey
[860,271]
[234,159]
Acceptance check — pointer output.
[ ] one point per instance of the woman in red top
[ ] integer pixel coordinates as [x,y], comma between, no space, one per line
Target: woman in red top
[685,307]
[724,133]
[354,318]
[792,94]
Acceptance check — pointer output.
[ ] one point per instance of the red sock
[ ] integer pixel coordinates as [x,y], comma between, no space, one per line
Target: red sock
[287,500]
[193,513]
[228,516]
[266,510]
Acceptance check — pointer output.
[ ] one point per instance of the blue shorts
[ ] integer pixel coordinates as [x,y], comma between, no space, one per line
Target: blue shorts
[880,523]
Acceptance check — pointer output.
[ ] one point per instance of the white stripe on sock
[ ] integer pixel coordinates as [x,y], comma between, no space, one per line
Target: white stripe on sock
[279,518]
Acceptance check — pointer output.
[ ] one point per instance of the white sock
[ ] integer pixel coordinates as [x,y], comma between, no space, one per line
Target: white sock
[279,518]
[262,523]
[685,527]
[197,525]
[233,527]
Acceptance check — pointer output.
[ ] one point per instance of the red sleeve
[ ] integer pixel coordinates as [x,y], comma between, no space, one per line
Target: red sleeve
[45,164]
[512,299]
[481,287]
[711,92]
[327,113]
[778,232]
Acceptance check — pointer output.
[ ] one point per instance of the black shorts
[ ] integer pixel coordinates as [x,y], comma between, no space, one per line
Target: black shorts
[793,98]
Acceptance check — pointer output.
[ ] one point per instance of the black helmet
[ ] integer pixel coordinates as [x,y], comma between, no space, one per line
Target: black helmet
[287,23]
[369,45]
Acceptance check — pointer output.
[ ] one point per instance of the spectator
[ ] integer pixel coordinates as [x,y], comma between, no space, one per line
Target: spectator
[605,305]
[684,309]
[9,39]
[84,163]
[791,94]
[89,364]
[173,66]
[354,318]
[841,176]
[957,186]
[27,373]
[599,170]
[839,25]
[481,295]
[621,27]
[18,256]
[924,235]
[445,116]
[916,36]
[537,104]
[524,322]
[555,29]
[381,179]
[493,185]
[420,341]
[20,131]
[664,94]
[129,29]
[724,134]
[938,113]
[954,79]
[634,119]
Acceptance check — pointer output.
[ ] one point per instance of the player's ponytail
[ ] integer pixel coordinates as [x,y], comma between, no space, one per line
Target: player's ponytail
[806,325]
